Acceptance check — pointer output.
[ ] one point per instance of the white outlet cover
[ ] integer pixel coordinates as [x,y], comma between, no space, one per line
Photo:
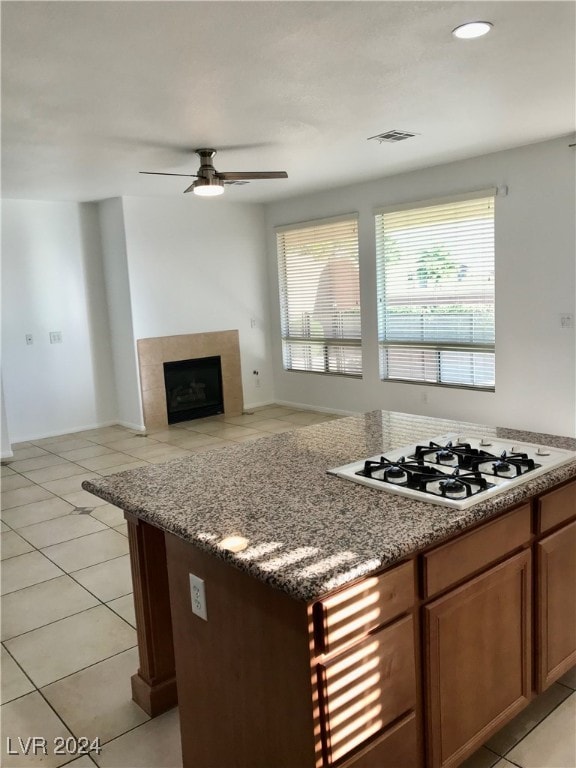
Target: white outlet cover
[198,597]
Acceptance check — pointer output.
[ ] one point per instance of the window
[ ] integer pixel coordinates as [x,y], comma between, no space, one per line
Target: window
[436,291]
[320,296]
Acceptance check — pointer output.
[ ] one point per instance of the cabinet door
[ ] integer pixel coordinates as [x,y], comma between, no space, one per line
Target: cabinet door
[478,670]
[556,620]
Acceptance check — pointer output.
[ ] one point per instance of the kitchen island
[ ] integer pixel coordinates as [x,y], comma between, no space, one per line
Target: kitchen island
[326,601]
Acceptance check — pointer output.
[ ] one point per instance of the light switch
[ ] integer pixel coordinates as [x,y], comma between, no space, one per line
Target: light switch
[29,338]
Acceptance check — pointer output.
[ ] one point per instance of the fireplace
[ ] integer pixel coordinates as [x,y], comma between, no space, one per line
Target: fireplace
[153,353]
[193,388]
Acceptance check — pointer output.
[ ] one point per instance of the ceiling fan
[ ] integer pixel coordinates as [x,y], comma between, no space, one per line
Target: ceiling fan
[210,182]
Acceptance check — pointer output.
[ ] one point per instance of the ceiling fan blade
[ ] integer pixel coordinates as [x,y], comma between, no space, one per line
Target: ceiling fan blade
[230,183]
[160,173]
[190,188]
[247,175]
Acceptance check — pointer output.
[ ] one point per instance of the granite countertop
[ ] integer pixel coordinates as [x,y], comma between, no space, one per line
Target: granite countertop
[309,532]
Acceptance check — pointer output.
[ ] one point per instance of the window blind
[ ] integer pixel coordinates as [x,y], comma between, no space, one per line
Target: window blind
[320,296]
[435,266]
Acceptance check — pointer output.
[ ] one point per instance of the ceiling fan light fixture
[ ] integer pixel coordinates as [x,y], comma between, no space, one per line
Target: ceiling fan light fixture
[472,29]
[208,187]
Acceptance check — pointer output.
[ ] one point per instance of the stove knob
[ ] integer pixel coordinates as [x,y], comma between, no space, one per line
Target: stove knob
[542,451]
[484,442]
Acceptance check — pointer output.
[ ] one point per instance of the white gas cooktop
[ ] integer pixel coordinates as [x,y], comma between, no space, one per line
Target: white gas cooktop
[454,470]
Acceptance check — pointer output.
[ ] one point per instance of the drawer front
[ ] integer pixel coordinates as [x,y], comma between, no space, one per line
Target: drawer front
[366,688]
[397,747]
[556,507]
[473,551]
[354,611]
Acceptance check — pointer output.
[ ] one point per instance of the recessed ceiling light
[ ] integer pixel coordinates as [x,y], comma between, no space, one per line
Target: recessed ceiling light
[472,29]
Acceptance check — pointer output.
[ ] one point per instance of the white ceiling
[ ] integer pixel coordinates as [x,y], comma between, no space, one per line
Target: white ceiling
[93,92]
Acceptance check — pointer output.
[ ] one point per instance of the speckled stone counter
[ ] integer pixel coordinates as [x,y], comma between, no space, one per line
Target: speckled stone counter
[309,532]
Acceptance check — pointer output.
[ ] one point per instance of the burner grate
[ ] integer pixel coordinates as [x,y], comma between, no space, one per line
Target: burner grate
[426,478]
[505,465]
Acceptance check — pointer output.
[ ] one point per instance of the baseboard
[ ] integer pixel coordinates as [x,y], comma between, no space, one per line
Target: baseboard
[69,431]
[6,455]
[319,408]
[248,406]
[129,425]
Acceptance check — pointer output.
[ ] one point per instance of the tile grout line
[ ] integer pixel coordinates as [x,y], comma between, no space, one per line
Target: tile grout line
[58,715]
[99,600]
[44,581]
[65,541]
[75,613]
[21,668]
[540,722]
[558,682]
[88,666]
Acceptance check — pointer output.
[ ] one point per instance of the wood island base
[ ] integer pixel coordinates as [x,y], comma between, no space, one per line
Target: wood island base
[381,673]
[154,685]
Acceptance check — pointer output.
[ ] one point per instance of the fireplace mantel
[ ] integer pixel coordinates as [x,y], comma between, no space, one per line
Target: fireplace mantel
[154,352]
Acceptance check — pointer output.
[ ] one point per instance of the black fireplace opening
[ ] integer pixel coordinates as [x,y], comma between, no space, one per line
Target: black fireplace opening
[193,388]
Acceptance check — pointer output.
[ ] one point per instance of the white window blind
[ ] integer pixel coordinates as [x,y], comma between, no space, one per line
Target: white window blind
[436,292]
[320,296]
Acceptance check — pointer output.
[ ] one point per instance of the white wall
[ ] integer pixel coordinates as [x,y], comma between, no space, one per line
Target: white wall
[52,280]
[129,407]
[199,265]
[535,282]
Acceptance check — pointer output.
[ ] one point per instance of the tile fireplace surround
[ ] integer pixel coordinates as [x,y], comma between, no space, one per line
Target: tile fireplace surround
[153,353]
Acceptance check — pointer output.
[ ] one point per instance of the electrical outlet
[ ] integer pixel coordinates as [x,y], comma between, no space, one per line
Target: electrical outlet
[198,597]
[566,320]
[252,322]
[55,337]
[29,338]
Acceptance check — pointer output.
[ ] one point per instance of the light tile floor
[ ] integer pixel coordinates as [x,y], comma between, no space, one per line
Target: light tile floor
[68,638]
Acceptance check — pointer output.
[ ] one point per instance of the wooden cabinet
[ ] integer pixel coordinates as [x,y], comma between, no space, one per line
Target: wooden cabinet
[556,507]
[346,615]
[475,551]
[477,659]
[556,605]
[431,656]
[555,552]
[366,688]
[397,748]
[365,643]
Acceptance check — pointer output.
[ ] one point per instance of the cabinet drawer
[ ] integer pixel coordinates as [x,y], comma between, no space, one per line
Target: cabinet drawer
[367,687]
[356,610]
[473,551]
[556,507]
[397,747]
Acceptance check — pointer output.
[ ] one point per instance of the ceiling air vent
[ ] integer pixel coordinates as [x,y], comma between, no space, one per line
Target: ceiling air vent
[393,136]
